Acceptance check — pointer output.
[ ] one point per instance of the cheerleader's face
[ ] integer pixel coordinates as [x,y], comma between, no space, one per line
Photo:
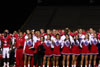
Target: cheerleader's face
[48,31]
[20,34]
[76,37]
[91,30]
[28,31]
[67,37]
[32,32]
[29,36]
[87,36]
[58,37]
[38,33]
[41,39]
[48,37]
[95,35]
[42,30]
[54,31]
[80,31]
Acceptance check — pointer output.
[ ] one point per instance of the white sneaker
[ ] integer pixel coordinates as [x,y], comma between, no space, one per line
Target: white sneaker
[7,64]
[4,65]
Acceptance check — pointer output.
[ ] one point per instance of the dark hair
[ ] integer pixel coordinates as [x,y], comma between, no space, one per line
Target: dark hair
[58,35]
[49,35]
[43,38]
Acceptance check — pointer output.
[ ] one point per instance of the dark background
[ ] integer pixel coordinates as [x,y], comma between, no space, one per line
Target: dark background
[15,13]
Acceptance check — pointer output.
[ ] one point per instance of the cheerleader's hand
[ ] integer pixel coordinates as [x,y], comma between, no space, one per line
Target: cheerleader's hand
[30,47]
[13,47]
[80,46]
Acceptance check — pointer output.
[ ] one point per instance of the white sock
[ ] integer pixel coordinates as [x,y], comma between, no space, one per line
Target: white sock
[43,65]
[99,65]
[56,66]
[63,66]
[74,65]
[85,65]
[24,65]
[67,66]
[7,63]
[47,65]
[4,63]
[28,65]
[81,65]
[53,66]
[89,65]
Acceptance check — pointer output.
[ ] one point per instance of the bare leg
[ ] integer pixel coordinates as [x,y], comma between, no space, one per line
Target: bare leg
[90,60]
[82,58]
[44,59]
[25,60]
[63,62]
[95,57]
[57,61]
[48,61]
[68,56]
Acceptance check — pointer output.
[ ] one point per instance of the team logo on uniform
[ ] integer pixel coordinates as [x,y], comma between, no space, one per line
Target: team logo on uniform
[94,42]
[48,44]
[57,43]
[86,43]
[67,43]
[77,43]
[29,43]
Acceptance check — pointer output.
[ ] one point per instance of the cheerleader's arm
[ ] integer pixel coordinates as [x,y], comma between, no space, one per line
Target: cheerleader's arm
[62,44]
[52,45]
[81,44]
[98,41]
[24,46]
[71,40]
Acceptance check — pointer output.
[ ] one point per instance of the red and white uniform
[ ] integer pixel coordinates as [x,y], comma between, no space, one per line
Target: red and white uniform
[35,39]
[75,47]
[56,47]
[81,37]
[91,36]
[85,44]
[19,51]
[47,46]
[6,45]
[94,49]
[66,48]
[27,45]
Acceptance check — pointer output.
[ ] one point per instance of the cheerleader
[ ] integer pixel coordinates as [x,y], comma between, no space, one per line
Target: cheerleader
[81,34]
[47,51]
[66,51]
[93,51]
[56,50]
[28,52]
[85,51]
[75,50]
[39,52]
[27,33]
[36,36]
[99,48]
